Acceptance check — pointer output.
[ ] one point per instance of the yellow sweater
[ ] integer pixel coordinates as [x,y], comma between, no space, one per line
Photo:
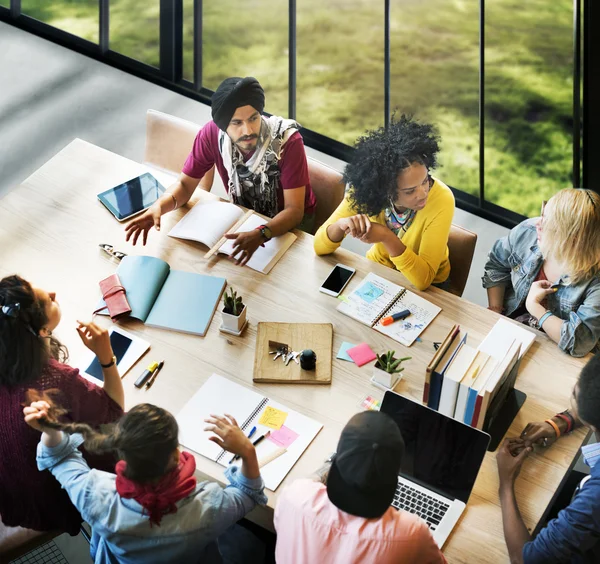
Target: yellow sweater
[425,259]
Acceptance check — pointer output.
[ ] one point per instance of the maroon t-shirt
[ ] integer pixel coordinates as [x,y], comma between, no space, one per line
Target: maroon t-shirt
[293,166]
[30,498]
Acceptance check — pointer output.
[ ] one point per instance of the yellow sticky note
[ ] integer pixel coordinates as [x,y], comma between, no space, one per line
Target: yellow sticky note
[273,418]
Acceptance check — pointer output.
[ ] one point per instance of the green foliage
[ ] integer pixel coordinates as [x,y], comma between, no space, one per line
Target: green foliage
[434,68]
[232,303]
[390,364]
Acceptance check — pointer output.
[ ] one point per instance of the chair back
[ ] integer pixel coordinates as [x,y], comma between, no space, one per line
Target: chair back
[328,186]
[169,141]
[461,248]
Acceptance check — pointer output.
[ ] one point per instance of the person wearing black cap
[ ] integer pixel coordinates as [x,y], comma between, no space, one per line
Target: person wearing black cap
[346,516]
[261,161]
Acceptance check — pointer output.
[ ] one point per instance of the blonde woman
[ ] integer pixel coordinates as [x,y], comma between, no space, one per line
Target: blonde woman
[546,271]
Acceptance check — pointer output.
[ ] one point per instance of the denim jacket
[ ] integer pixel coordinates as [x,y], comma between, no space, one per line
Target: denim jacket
[121,532]
[515,261]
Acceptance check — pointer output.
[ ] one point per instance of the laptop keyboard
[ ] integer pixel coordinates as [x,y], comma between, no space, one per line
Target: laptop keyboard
[430,509]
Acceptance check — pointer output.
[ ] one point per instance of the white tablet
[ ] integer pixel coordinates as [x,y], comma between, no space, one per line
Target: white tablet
[132,197]
[127,348]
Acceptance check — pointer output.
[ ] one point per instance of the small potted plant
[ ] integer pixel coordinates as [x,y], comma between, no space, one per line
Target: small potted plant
[234,312]
[386,370]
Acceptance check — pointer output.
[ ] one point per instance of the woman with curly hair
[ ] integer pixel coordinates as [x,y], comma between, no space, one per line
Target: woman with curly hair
[395,204]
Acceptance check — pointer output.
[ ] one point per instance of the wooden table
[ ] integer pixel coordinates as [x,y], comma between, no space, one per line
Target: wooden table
[50,228]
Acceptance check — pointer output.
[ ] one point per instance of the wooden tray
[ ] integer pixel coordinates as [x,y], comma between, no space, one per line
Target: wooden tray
[299,336]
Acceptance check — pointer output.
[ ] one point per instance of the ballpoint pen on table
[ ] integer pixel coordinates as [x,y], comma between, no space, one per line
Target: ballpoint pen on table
[250,435]
[155,374]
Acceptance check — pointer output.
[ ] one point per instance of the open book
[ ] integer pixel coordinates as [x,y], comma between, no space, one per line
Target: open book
[208,221]
[220,395]
[171,299]
[377,297]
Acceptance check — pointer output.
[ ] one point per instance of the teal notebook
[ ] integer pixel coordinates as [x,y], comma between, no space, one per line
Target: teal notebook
[171,299]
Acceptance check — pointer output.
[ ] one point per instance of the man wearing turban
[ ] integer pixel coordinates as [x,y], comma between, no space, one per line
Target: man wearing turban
[261,161]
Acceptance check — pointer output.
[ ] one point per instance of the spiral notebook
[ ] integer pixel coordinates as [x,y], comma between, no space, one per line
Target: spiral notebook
[219,396]
[377,297]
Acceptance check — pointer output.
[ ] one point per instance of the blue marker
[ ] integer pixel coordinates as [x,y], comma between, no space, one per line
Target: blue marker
[249,436]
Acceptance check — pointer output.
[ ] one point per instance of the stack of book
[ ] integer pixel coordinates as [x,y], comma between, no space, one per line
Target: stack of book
[471,384]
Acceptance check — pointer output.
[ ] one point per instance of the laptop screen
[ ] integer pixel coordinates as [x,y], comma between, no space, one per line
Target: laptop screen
[441,453]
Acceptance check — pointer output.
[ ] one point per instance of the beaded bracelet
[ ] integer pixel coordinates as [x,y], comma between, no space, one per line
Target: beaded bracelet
[568,421]
[554,426]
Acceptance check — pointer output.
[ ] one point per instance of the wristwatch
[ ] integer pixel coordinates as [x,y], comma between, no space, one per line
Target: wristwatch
[265,232]
[111,363]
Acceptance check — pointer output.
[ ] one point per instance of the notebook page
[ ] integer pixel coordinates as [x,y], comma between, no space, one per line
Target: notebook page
[218,395]
[370,299]
[405,331]
[264,258]
[274,472]
[207,222]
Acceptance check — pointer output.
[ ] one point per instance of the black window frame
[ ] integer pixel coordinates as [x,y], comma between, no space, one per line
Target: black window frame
[585,170]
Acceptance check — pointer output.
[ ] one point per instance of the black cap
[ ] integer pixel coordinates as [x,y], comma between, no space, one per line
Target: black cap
[233,93]
[364,473]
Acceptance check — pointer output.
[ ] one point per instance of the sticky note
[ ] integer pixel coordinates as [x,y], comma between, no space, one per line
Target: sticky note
[343,298]
[361,354]
[272,417]
[283,437]
[370,403]
[342,354]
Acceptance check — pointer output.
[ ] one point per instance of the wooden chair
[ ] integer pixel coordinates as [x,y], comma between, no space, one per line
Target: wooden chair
[328,187]
[461,248]
[169,140]
[17,541]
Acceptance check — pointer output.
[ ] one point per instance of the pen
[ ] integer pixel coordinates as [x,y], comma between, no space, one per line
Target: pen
[250,434]
[145,375]
[155,374]
[395,317]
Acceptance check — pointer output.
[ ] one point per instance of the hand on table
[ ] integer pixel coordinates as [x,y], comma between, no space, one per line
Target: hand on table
[509,462]
[539,433]
[536,296]
[142,224]
[245,245]
[96,339]
[229,436]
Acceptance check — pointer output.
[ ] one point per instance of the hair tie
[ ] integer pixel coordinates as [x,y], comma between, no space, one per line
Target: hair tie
[11,310]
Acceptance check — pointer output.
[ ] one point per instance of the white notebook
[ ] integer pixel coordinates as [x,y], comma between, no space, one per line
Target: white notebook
[219,396]
[377,297]
[208,221]
[501,337]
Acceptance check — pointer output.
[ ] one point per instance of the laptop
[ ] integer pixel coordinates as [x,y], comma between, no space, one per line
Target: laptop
[440,465]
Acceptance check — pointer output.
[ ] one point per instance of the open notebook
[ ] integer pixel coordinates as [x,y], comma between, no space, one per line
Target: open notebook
[377,297]
[170,299]
[220,395]
[207,222]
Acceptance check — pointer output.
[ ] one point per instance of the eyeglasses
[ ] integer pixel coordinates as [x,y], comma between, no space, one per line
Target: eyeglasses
[109,250]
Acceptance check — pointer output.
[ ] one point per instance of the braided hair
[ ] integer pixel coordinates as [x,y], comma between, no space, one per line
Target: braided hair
[381,155]
[145,437]
[23,352]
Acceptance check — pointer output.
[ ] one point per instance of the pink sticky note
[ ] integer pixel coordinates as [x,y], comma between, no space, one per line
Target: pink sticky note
[361,354]
[283,437]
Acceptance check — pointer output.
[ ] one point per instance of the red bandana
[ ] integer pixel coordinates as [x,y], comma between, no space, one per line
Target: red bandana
[160,498]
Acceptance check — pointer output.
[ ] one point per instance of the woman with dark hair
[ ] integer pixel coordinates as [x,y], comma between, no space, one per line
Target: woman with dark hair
[394,203]
[31,357]
[152,511]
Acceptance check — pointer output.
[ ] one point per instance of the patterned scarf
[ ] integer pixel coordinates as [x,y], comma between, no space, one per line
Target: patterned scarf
[396,221]
[254,184]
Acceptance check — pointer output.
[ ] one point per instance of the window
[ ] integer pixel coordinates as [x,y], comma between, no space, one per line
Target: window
[435,77]
[247,38]
[79,17]
[134,29]
[528,102]
[340,67]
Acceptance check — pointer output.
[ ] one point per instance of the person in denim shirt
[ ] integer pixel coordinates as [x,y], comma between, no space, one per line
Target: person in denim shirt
[546,271]
[152,511]
[574,535]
